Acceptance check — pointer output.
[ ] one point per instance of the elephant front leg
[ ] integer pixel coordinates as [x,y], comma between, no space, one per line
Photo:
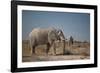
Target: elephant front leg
[63,47]
[54,48]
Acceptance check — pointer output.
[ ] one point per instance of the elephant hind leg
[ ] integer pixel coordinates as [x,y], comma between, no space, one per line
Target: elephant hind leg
[33,49]
[48,47]
[54,48]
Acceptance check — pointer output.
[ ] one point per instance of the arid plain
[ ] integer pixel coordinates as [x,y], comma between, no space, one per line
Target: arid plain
[77,51]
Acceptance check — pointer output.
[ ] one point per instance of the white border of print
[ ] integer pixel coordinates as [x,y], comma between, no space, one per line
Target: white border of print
[53,63]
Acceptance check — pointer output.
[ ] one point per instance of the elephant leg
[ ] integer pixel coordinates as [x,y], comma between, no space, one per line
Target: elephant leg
[33,49]
[54,48]
[48,47]
[63,47]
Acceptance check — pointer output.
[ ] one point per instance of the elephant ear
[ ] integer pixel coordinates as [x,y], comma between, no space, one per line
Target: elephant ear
[61,35]
[52,36]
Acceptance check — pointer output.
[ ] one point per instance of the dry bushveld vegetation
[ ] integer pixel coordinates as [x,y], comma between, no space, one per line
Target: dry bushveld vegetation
[79,50]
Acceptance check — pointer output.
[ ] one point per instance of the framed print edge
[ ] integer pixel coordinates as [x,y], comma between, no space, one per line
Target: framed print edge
[14,40]
[13,36]
[96,36]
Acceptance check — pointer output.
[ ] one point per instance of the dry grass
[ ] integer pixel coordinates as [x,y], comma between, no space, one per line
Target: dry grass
[76,51]
[26,50]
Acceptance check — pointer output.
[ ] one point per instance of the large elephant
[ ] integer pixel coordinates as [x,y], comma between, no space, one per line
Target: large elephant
[40,36]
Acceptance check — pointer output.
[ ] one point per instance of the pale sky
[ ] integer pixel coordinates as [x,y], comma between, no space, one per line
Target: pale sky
[72,24]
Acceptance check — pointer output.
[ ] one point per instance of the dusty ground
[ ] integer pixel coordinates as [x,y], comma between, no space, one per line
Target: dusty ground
[54,58]
[74,52]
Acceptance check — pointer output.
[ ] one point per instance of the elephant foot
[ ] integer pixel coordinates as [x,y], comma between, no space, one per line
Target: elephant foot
[33,54]
[54,54]
[47,53]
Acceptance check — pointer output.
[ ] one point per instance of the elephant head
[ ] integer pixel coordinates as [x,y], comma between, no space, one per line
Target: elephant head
[61,38]
[61,35]
[55,35]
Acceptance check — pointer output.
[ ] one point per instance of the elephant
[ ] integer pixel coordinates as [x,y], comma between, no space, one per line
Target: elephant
[40,36]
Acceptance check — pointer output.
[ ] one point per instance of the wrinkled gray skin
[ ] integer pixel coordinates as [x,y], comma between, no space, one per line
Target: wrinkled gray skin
[47,36]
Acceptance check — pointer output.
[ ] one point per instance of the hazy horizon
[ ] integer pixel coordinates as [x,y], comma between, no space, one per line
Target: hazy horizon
[76,25]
